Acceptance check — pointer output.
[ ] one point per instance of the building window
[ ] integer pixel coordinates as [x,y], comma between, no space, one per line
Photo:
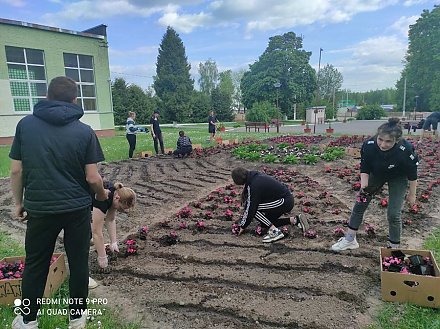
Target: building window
[80,69]
[27,77]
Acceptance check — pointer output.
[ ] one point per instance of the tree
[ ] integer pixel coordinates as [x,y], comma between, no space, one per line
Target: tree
[285,62]
[262,112]
[119,93]
[330,81]
[221,104]
[422,66]
[201,107]
[173,83]
[208,76]
[370,112]
[236,97]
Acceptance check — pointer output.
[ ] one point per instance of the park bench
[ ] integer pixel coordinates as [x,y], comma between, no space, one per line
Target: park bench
[256,126]
[414,125]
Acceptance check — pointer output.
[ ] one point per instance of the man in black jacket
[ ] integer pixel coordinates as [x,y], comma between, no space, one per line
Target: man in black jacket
[54,160]
[265,199]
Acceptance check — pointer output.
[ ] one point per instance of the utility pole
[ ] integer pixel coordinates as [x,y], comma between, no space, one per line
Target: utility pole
[319,69]
[334,109]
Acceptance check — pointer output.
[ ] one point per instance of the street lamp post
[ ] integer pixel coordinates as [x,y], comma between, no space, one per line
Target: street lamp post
[319,69]
[277,85]
[415,107]
[314,126]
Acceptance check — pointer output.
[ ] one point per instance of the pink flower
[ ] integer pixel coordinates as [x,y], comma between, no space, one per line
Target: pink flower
[183,225]
[185,212]
[200,225]
[404,270]
[384,202]
[208,214]
[310,234]
[356,186]
[370,230]
[235,228]
[339,232]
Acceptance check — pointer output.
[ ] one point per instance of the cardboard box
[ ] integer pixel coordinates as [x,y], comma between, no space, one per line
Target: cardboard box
[421,290]
[168,150]
[225,142]
[197,146]
[234,141]
[353,151]
[11,289]
[145,154]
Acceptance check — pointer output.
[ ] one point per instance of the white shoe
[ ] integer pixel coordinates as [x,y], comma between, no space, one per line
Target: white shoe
[344,244]
[273,235]
[18,323]
[92,283]
[79,323]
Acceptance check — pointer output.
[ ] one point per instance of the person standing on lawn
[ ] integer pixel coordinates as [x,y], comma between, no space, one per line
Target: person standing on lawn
[431,122]
[265,199]
[184,146]
[130,133]
[54,160]
[104,212]
[156,132]
[212,121]
[385,158]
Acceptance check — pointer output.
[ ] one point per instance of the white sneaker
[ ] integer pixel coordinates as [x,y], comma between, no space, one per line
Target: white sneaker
[344,244]
[18,323]
[273,235]
[92,283]
[79,323]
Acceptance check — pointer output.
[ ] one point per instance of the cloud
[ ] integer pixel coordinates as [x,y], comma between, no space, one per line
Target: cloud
[373,62]
[14,3]
[409,3]
[133,52]
[403,23]
[142,75]
[185,23]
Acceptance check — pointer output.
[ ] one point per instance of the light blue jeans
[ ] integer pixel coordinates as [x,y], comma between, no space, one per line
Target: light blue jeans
[397,189]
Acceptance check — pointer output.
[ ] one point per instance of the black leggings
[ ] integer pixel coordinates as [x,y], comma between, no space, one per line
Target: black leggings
[41,235]
[132,142]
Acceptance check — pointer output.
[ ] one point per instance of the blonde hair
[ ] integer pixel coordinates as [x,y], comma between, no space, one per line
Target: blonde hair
[131,114]
[126,195]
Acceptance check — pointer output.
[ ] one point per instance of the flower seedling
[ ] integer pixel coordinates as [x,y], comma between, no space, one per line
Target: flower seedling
[339,232]
[208,214]
[131,248]
[185,212]
[310,234]
[424,197]
[228,214]
[414,209]
[356,186]
[200,225]
[235,228]
[142,231]
[183,225]
[370,230]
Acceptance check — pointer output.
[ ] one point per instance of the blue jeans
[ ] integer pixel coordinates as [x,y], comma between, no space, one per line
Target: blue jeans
[397,189]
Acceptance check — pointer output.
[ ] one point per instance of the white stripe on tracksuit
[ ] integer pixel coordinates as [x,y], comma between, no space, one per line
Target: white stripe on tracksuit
[248,204]
[269,205]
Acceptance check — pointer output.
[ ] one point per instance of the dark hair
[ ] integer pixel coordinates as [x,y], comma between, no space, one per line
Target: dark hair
[239,175]
[62,89]
[181,133]
[392,128]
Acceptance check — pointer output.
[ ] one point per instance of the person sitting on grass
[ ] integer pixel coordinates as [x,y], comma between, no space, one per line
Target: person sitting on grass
[120,199]
[184,146]
[266,199]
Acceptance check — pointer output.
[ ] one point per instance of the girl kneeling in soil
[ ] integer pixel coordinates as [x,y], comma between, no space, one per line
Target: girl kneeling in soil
[266,199]
[120,199]
[385,158]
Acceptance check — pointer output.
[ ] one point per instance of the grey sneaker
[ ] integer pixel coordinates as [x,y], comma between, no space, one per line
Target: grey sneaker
[18,323]
[344,244]
[302,223]
[79,323]
[273,235]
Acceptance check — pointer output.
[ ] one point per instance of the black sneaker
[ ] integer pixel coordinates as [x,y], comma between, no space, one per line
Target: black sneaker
[302,222]
[273,235]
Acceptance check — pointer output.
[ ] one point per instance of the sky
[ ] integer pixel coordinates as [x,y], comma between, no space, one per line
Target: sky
[365,40]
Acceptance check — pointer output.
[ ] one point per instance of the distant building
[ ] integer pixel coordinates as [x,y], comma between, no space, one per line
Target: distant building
[31,55]
[388,108]
[315,113]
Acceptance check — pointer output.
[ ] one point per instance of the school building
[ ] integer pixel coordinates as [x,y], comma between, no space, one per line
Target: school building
[31,55]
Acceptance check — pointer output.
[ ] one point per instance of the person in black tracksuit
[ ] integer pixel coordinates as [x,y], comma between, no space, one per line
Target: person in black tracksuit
[156,132]
[385,158]
[431,121]
[265,199]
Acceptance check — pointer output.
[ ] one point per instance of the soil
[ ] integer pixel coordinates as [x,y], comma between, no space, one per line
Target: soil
[214,279]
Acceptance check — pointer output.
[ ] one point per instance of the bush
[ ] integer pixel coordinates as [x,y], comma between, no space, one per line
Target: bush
[262,112]
[371,112]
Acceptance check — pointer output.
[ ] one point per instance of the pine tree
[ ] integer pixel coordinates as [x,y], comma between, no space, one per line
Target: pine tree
[173,83]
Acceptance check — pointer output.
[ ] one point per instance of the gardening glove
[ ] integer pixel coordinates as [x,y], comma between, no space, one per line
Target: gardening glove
[103,261]
[114,247]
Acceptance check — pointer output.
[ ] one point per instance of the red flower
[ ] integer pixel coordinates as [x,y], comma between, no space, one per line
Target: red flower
[339,232]
[356,186]
[185,212]
[414,209]
[200,225]
[310,234]
[235,229]
[384,202]
[424,197]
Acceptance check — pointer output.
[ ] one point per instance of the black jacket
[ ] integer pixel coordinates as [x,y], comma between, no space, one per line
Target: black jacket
[401,160]
[54,147]
[260,188]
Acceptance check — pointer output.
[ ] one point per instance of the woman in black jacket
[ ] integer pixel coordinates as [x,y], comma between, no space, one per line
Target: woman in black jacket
[385,158]
[265,199]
